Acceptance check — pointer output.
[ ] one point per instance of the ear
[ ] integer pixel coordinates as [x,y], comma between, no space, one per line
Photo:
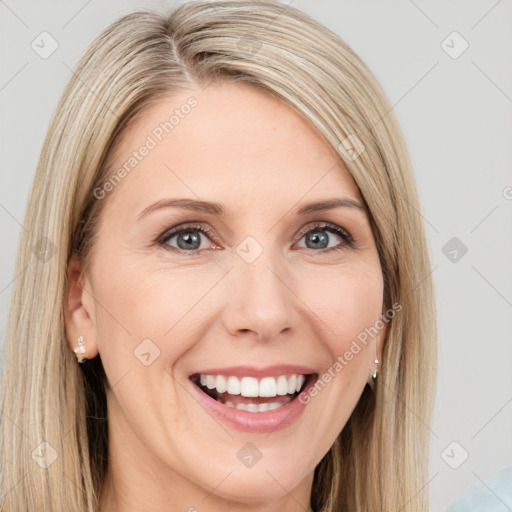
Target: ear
[79,311]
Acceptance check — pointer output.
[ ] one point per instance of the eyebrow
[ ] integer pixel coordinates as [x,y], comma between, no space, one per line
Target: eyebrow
[217,209]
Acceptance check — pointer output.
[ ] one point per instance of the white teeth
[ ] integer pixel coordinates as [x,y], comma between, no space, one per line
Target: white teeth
[300,381]
[233,386]
[250,386]
[267,387]
[255,407]
[292,383]
[210,381]
[221,384]
[282,385]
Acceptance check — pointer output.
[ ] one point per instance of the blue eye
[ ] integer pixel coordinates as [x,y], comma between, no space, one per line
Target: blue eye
[317,236]
[188,238]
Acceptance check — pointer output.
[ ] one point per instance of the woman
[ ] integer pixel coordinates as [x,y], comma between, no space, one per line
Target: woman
[238,348]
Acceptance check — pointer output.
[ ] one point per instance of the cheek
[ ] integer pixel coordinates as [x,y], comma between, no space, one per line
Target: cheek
[146,324]
[141,302]
[347,301]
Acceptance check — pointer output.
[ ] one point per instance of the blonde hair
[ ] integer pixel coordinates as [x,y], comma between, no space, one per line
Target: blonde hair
[380,459]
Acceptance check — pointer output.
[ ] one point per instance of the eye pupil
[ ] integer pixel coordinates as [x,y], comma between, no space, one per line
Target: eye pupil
[191,240]
[315,237]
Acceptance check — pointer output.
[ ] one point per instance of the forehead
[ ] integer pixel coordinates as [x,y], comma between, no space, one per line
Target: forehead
[236,142]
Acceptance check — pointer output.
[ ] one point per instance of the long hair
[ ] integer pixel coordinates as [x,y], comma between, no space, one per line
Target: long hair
[54,436]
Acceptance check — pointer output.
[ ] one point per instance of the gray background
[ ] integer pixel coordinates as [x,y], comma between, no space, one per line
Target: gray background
[456,116]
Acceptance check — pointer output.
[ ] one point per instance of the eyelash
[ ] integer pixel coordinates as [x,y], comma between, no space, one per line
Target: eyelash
[348,241]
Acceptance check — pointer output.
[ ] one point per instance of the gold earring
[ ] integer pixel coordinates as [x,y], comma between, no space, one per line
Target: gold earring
[80,350]
[374,374]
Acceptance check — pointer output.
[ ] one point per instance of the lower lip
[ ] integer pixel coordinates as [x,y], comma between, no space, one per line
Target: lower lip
[257,422]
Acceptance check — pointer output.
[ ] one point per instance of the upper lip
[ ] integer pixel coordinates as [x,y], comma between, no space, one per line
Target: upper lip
[252,371]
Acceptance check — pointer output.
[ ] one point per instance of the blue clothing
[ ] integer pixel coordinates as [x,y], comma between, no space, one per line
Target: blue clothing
[495,495]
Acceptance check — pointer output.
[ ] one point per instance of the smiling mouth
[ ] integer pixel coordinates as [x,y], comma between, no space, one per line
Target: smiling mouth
[252,394]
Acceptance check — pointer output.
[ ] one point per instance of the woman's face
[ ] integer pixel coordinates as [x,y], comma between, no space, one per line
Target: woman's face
[247,296]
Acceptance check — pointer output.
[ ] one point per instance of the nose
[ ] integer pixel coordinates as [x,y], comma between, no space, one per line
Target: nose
[261,303]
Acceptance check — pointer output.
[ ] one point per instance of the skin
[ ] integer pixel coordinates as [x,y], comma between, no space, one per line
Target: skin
[294,304]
